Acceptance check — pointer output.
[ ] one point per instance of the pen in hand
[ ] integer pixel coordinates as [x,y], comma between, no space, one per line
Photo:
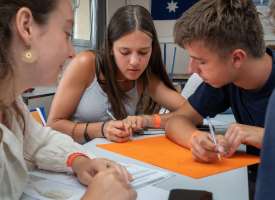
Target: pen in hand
[212,133]
[110,114]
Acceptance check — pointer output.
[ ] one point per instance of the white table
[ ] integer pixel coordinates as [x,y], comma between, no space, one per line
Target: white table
[224,186]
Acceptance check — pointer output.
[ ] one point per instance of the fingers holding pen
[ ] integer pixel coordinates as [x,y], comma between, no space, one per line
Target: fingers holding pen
[116,131]
[135,122]
[130,123]
[222,145]
[127,127]
[202,147]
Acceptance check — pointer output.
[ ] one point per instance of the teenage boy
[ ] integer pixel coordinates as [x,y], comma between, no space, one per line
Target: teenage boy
[225,42]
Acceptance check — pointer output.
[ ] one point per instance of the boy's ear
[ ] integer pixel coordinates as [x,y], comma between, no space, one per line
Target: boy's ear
[24,22]
[238,57]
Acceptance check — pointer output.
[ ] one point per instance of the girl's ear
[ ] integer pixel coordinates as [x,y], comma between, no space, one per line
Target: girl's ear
[24,25]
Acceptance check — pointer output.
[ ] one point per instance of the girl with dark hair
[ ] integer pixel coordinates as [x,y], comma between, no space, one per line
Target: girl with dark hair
[127,79]
[34,44]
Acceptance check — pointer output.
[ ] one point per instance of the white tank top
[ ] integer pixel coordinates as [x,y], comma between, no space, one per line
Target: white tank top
[94,103]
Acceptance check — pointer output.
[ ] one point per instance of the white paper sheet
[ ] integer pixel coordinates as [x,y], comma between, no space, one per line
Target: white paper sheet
[46,185]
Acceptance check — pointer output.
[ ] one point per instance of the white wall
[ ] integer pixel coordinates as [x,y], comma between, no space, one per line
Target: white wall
[82,25]
[268,27]
[112,6]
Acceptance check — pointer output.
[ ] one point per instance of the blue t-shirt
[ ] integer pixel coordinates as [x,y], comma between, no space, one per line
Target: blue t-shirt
[248,106]
[266,178]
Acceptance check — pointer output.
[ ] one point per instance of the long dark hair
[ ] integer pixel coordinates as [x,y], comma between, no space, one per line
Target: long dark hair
[8,9]
[127,19]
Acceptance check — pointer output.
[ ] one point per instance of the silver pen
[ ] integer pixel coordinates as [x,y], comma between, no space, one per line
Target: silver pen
[212,133]
[110,114]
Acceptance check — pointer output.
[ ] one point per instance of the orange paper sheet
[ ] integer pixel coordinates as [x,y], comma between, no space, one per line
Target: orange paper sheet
[163,153]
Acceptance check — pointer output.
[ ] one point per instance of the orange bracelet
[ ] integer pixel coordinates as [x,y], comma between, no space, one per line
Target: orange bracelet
[156,121]
[72,157]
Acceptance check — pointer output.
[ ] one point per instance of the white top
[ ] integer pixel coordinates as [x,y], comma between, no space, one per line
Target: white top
[39,147]
[94,103]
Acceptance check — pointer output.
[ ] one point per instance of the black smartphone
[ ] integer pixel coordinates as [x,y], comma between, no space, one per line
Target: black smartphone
[185,194]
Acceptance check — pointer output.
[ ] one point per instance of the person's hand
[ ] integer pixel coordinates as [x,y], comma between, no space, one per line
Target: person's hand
[86,168]
[108,185]
[136,123]
[117,131]
[238,134]
[204,150]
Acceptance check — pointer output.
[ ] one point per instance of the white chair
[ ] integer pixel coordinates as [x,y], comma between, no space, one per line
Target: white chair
[191,85]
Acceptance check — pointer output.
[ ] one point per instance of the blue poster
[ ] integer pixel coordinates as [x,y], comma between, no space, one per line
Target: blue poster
[169,9]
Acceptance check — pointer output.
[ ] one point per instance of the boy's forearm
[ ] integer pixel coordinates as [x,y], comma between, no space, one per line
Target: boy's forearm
[179,129]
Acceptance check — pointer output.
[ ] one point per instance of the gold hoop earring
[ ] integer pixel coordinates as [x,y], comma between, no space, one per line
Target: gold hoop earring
[29,56]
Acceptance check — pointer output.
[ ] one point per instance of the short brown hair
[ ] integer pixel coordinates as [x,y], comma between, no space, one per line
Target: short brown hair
[223,25]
